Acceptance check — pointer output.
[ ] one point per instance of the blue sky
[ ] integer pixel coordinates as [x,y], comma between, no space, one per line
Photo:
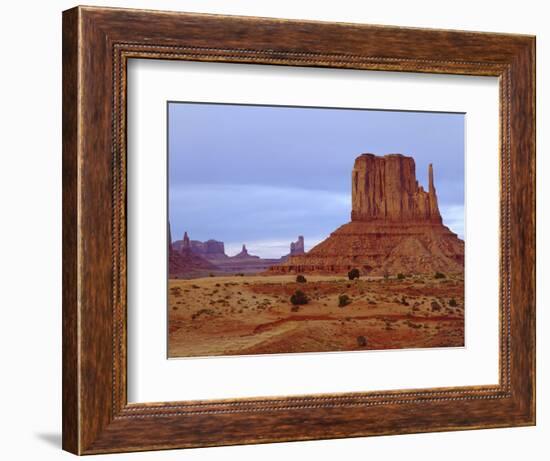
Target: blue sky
[262,175]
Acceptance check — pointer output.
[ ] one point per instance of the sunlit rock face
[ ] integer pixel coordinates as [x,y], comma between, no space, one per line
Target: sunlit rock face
[386,188]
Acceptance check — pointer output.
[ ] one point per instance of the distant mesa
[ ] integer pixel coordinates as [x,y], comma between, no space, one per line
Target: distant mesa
[193,258]
[244,254]
[211,249]
[184,262]
[395,226]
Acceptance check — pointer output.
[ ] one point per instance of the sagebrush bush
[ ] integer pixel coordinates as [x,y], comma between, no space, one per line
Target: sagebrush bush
[343,300]
[301,279]
[400,276]
[453,302]
[354,274]
[298,298]
[439,275]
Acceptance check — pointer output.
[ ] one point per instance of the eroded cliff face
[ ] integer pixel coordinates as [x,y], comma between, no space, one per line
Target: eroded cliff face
[395,226]
[385,188]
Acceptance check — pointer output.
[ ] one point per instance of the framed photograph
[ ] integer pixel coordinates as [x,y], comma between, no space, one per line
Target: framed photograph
[282,230]
[373,266]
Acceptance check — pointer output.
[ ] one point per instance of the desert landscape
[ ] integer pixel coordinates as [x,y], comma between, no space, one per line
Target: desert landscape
[391,278]
[233,315]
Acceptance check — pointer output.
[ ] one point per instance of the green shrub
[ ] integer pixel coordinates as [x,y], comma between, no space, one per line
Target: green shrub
[400,276]
[298,298]
[354,274]
[301,279]
[361,341]
[343,300]
[439,275]
[453,303]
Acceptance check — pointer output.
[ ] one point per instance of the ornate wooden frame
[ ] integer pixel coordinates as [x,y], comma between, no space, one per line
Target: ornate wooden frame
[97,43]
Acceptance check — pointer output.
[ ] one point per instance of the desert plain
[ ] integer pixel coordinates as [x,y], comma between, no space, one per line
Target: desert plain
[253,314]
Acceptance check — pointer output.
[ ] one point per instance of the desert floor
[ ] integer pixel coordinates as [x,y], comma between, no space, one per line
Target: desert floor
[238,315]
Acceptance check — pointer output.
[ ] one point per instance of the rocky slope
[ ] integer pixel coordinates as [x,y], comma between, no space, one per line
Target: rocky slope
[184,265]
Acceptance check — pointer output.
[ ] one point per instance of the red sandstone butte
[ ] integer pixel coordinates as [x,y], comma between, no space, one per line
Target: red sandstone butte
[395,226]
[183,262]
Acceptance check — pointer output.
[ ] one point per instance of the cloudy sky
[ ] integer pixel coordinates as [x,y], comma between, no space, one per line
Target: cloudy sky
[262,175]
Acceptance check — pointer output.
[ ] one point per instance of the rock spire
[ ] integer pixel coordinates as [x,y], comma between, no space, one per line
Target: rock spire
[297,248]
[186,245]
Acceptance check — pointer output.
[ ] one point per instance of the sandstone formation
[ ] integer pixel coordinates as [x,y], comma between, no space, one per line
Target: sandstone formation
[244,254]
[211,249]
[386,188]
[186,245]
[297,248]
[395,226]
[184,263]
[193,258]
[245,263]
